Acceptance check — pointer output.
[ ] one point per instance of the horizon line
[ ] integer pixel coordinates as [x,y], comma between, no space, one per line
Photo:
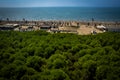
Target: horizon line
[62,6]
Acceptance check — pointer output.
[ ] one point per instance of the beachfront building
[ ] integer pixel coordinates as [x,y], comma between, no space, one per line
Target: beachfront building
[26,28]
[8,27]
[45,27]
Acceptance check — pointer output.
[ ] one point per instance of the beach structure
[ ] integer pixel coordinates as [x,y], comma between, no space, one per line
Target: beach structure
[101,27]
[54,30]
[8,27]
[26,28]
[45,27]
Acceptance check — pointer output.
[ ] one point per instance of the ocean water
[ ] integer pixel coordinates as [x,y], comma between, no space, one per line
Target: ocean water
[61,13]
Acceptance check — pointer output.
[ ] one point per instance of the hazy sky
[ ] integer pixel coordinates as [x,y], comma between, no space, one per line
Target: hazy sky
[59,3]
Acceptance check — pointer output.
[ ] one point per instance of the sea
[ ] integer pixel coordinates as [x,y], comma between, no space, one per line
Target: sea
[61,13]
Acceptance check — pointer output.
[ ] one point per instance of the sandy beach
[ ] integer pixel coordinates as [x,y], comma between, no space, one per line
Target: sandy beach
[79,27]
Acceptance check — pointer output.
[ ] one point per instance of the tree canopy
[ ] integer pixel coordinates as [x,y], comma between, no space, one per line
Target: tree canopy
[39,55]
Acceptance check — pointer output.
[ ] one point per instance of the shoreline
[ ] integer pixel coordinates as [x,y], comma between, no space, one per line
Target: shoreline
[81,21]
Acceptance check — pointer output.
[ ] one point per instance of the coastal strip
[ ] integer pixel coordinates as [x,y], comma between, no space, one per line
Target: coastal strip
[77,27]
